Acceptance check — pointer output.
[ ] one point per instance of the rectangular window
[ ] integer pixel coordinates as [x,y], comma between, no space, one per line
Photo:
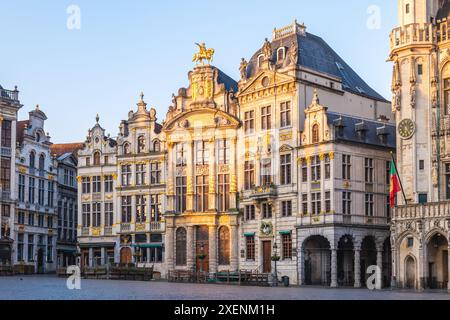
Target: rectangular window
[286,241]
[31,219]
[50,194]
[50,222]
[141,209]
[224,192]
[201,152]
[85,185]
[109,214]
[5,173]
[369,205]
[126,209]
[49,249]
[304,170]
[285,114]
[41,220]
[71,178]
[181,154]
[140,174]
[109,184]
[305,204]
[96,215]
[155,207]
[388,172]
[327,201]
[249,174]
[96,184]
[266,172]
[6,133]
[21,218]
[346,167]
[249,122]
[155,173]
[346,202]
[41,193]
[249,212]
[315,168]
[31,191]
[266,210]
[407,8]
[86,215]
[30,247]
[250,246]
[21,188]
[266,118]
[224,151]
[201,194]
[421,165]
[368,170]
[126,175]
[20,243]
[181,189]
[316,203]
[286,208]
[285,169]
[420,69]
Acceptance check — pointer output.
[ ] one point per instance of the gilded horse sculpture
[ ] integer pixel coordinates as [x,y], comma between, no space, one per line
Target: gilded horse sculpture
[203,54]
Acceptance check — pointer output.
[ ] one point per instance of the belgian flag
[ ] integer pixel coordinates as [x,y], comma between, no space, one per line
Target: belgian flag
[395,184]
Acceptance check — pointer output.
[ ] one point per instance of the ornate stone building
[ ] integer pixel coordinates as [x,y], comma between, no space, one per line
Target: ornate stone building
[35,216]
[420,52]
[9,107]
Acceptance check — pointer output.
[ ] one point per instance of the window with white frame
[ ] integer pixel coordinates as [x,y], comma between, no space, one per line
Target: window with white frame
[316,203]
[201,152]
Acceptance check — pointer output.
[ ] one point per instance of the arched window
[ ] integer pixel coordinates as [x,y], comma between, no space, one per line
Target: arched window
[141,144]
[96,158]
[315,133]
[156,146]
[126,148]
[32,159]
[41,162]
[260,60]
[224,246]
[181,247]
[281,54]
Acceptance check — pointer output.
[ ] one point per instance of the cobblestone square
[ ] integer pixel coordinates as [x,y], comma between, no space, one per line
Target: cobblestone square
[54,288]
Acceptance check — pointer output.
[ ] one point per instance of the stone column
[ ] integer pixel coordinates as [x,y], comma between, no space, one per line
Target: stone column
[422,276]
[212,249]
[190,177]
[212,175]
[301,264]
[380,263]
[394,264]
[334,283]
[190,261]
[90,257]
[234,257]
[170,247]
[170,179]
[233,174]
[102,255]
[357,266]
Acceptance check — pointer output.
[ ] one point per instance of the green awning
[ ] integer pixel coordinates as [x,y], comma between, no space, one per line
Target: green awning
[286,232]
[249,234]
[147,245]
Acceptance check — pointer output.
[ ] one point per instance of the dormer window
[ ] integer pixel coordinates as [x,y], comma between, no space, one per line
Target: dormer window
[41,162]
[156,146]
[281,54]
[260,60]
[315,134]
[38,137]
[126,148]
[32,159]
[361,129]
[96,158]
[141,144]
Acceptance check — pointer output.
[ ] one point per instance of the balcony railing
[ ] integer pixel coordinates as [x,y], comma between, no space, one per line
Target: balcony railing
[125,227]
[85,231]
[428,210]
[346,219]
[263,192]
[12,95]
[107,231]
[415,33]
[157,226]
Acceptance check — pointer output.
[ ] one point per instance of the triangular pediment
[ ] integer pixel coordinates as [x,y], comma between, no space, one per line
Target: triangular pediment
[200,118]
[264,80]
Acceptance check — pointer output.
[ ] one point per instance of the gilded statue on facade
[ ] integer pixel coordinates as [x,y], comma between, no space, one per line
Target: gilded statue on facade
[203,54]
[243,69]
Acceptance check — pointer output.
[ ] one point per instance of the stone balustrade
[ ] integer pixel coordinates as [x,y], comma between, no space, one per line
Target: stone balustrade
[413,34]
[423,211]
[345,219]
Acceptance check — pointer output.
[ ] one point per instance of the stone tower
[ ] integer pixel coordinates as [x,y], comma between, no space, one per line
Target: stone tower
[420,114]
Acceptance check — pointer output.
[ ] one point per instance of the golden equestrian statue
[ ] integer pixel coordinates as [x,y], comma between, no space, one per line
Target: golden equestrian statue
[203,54]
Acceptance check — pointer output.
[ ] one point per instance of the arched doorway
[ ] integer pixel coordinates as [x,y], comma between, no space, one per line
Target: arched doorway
[5,253]
[40,261]
[437,259]
[345,261]
[387,263]
[317,261]
[410,273]
[202,249]
[368,256]
[125,255]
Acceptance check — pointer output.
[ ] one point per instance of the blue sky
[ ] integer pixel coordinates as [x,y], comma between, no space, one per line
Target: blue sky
[125,47]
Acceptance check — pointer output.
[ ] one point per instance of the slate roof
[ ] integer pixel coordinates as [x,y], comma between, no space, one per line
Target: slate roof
[229,83]
[373,130]
[314,53]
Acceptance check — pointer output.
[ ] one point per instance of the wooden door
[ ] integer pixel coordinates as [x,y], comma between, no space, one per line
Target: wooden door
[267,256]
[202,249]
[84,259]
[125,255]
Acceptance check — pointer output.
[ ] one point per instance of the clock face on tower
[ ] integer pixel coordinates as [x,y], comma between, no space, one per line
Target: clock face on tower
[406,128]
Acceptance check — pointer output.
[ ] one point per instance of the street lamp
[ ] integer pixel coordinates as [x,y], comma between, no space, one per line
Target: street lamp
[275,258]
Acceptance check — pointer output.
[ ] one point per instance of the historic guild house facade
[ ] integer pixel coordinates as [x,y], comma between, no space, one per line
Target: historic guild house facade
[291,161]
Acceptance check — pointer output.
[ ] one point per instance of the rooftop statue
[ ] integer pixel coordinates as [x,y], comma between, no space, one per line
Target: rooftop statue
[203,54]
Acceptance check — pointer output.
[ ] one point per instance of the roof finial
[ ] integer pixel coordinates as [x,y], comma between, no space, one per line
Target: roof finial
[142,95]
[37,107]
[315,100]
[97,118]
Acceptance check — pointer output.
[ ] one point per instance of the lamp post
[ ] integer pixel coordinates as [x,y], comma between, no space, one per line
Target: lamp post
[275,258]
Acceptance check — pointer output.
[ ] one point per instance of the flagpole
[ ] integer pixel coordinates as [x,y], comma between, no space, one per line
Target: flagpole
[398,175]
